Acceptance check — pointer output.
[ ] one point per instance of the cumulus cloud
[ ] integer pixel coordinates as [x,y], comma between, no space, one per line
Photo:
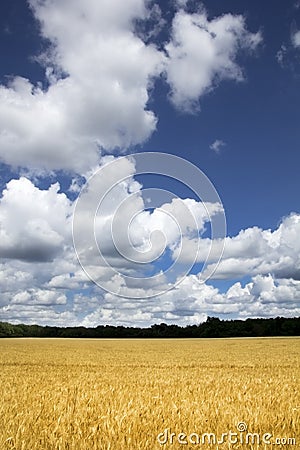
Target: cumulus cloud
[38,297]
[43,237]
[188,303]
[191,302]
[267,296]
[254,251]
[119,241]
[34,223]
[99,74]
[116,237]
[203,52]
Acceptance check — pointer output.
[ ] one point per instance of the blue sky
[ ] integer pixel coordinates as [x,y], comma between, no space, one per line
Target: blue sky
[216,83]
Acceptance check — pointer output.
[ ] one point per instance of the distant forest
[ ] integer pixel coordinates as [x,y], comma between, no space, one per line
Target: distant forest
[212,328]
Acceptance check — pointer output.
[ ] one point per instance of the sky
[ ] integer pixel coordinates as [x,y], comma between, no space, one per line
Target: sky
[149,161]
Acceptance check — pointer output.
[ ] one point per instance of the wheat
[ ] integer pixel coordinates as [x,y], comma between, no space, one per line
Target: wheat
[69,394]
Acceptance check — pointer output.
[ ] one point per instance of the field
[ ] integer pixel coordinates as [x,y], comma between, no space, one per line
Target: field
[123,394]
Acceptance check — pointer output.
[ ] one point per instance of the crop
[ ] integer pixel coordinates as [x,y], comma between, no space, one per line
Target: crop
[72,394]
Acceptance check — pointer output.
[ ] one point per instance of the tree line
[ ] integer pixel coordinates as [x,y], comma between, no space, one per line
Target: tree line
[212,328]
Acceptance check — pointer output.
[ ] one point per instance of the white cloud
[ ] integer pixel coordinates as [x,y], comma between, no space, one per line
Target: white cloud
[100,73]
[266,296]
[34,223]
[64,281]
[127,250]
[256,251]
[128,239]
[287,54]
[296,39]
[253,251]
[191,302]
[188,303]
[39,297]
[13,278]
[203,52]
[30,289]
[217,145]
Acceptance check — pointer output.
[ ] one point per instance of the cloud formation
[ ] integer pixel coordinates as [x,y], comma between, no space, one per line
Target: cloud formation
[119,240]
[203,52]
[188,303]
[34,223]
[254,251]
[50,287]
[296,39]
[217,145]
[99,75]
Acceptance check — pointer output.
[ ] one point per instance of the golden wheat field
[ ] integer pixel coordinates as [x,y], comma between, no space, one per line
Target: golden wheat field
[133,394]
